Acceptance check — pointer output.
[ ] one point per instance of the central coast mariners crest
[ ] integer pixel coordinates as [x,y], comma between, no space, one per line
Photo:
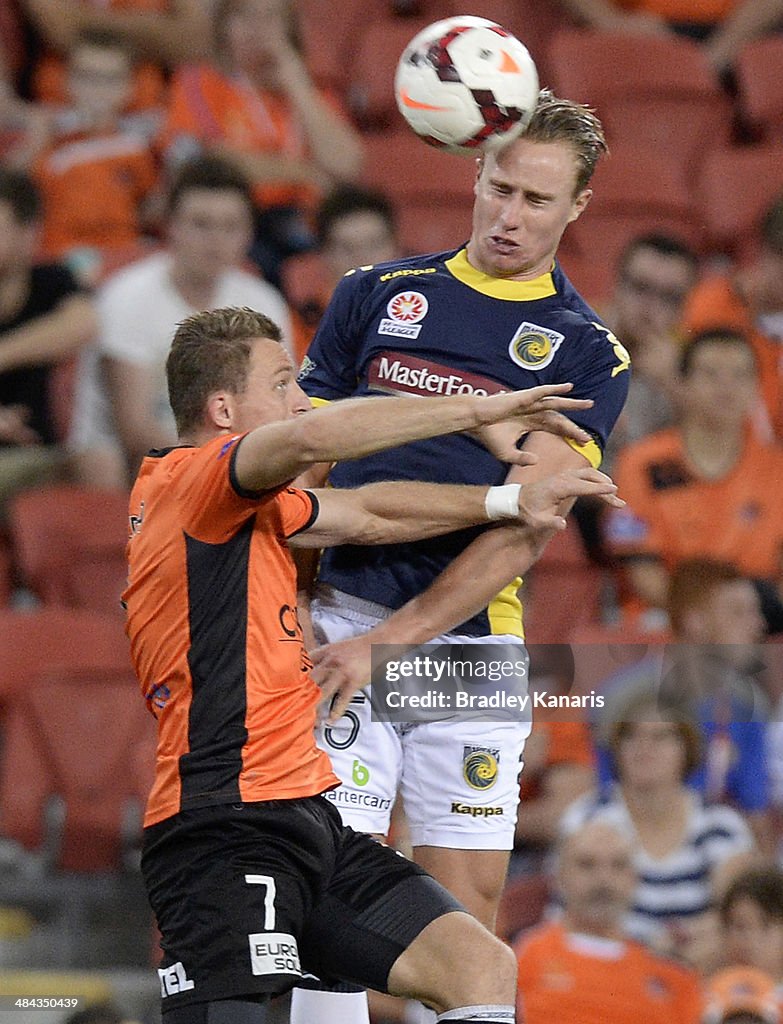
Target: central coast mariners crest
[480,766]
[533,347]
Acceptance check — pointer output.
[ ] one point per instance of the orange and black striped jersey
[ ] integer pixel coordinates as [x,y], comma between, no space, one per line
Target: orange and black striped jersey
[215,639]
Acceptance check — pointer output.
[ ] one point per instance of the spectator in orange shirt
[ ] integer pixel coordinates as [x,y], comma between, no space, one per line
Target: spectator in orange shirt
[256,105]
[163,33]
[582,969]
[354,227]
[708,488]
[751,300]
[97,168]
[723,25]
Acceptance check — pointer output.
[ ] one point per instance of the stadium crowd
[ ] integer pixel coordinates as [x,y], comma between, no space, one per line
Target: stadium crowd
[160,157]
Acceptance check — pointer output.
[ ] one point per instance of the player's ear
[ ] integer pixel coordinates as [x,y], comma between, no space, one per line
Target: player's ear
[479,169]
[580,204]
[220,410]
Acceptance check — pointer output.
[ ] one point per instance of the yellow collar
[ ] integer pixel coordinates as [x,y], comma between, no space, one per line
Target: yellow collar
[498,287]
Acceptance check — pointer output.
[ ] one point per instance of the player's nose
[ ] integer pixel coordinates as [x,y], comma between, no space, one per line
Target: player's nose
[299,401]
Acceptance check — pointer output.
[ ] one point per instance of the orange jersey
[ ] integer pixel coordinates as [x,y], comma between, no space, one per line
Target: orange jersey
[215,639]
[686,12]
[714,302]
[674,514]
[569,977]
[92,187]
[211,107]
[148,82]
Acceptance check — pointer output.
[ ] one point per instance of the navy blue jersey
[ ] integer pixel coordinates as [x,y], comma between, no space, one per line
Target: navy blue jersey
[433,325]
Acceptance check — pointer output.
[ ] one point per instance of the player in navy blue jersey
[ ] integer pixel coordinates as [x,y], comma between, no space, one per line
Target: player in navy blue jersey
[494,315]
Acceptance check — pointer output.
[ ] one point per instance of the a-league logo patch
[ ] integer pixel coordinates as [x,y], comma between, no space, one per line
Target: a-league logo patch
[534,347]
[480,766]
[408,307]
[405,310]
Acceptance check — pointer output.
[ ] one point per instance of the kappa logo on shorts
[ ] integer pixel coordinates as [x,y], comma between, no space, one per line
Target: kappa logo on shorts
[534,347]
[480,766]
[274,953]
[404,311]
[475,812]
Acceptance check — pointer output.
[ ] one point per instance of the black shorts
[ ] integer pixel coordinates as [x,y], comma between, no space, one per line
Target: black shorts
[250,896]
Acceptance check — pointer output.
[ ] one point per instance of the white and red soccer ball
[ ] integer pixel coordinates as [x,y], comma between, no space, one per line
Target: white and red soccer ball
[465,83]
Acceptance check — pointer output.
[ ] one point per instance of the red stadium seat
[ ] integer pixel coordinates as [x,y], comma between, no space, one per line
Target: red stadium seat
[70,784]
[760,84]
[562,590]
[6,571]
[70,545]
[375,51]
[427,226]
[654,91]
[58,639]
[734,190]
[402,165]
[522,905]
[303,277]
[635,191]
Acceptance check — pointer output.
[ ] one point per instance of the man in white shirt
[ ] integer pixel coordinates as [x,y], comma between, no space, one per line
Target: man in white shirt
[122,408]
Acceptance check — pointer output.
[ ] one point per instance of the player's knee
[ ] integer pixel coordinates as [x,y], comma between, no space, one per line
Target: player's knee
[456,962]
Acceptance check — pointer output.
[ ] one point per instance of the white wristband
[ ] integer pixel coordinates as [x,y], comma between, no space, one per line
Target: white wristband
[503,502]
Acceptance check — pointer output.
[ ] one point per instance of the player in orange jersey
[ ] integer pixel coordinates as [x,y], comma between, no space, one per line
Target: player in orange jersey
[249,870]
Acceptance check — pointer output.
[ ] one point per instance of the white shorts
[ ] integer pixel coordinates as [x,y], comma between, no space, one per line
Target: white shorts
[446,804]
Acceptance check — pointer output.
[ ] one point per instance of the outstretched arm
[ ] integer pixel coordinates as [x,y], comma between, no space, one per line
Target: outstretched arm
[277,452]
[388,513]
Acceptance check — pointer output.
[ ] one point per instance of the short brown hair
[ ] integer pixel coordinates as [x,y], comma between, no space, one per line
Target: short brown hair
[632,712]
[763,886]
[693,583]
[556,120]
[207,173]
[211,352]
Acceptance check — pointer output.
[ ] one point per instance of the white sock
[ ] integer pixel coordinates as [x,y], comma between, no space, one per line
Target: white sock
[314,1006]
[480,1014]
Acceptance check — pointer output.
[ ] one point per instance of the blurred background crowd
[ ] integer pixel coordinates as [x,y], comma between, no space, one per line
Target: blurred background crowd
[162,156]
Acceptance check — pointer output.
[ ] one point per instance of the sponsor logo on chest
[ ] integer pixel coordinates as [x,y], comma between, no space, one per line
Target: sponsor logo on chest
[402,373]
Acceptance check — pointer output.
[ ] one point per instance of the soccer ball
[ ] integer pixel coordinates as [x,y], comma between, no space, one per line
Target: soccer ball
[465,83]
